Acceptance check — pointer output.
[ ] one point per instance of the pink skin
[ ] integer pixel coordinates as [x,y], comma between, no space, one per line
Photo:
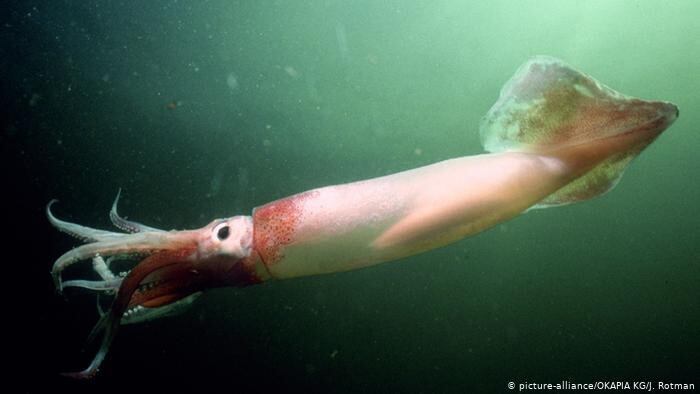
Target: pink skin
[355,225]
[346,227]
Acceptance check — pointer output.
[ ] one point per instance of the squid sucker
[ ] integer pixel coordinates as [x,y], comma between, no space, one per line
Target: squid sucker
[555,136]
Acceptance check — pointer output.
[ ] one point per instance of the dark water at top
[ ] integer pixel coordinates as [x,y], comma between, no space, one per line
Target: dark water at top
[207,109]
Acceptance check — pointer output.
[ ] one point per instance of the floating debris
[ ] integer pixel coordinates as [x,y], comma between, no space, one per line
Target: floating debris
[342,39]
[232,81]
[292,72]
[173,104]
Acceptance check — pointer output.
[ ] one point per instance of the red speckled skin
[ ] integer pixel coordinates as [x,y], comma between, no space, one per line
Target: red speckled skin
[275,225]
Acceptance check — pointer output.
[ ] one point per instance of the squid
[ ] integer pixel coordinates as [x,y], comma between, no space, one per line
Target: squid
[555,136]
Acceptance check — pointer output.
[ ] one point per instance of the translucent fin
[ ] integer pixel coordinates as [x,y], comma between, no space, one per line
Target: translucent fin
[549,108]
[548,103]
[596,182]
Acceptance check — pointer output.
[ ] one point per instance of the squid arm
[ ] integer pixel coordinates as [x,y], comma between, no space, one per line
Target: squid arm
[555,136]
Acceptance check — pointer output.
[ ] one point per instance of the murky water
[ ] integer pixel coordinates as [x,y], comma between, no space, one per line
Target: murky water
[207,109]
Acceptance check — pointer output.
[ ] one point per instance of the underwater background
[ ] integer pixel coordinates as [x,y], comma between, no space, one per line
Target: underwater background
[205,109]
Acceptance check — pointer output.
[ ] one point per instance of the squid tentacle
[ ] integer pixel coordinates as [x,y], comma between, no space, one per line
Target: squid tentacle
[128,244]
[164,254]
[101,267]
[140,313]
[109,282]
[145,240]
[84,233]
[127,225]
[109,323]
[98,285]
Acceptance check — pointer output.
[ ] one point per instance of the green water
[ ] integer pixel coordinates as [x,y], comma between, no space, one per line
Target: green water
[207,109]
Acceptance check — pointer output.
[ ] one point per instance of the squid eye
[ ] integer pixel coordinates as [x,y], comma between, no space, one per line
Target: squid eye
[223,232]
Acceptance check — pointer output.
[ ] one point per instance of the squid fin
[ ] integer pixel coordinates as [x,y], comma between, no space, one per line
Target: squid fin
[549,108]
